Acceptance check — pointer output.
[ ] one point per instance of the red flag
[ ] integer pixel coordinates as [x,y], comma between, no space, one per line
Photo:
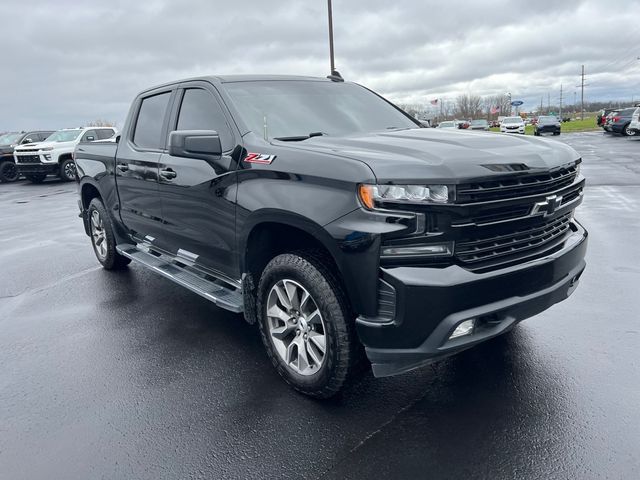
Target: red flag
[495,109]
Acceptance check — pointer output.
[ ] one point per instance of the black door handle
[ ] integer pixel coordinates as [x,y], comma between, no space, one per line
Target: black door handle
[123,167]
[168,173]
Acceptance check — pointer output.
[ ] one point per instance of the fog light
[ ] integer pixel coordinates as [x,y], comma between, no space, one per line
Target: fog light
[47,156]
[465,328]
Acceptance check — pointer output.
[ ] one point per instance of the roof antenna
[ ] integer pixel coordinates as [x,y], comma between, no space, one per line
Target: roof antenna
[335,75]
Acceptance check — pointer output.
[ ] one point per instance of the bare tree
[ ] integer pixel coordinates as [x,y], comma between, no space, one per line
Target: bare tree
[102,123]
[501,102]
[468,106]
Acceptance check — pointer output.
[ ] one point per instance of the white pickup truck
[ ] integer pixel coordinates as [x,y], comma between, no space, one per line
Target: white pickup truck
[55,154]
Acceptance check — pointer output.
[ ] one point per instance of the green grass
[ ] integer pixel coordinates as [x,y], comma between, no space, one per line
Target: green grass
[585,125]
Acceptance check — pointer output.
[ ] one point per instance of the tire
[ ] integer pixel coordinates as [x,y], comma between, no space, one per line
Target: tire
[627,132]
[322,318]
[68,170]
[102,238]
[8,172]
[36,177]
[537,134]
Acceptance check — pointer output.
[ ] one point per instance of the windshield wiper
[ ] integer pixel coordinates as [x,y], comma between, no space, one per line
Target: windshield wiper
[299,138]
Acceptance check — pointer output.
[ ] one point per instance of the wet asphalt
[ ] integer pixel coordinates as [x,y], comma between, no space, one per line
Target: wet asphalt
[128,376]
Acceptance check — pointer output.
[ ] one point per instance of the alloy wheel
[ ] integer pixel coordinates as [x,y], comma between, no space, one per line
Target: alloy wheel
[70,170]
[296,327]
[98,235]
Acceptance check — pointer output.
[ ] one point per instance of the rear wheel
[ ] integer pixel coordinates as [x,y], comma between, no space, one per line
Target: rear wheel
[628,132]
[102,237]
[306,324]
[8,172]
[36,177]
[68,170]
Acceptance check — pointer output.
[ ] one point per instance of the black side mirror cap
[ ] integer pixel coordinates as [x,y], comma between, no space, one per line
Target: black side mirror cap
[203,144]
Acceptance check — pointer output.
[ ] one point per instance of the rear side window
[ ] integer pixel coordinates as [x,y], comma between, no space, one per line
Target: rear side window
[148,129]
[104,133]
[201,111]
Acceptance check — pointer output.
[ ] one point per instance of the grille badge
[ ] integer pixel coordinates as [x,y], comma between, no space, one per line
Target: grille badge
[548,206]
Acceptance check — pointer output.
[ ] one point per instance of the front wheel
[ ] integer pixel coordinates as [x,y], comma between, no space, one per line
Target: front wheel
[68,170]
[102,237]
[628,132]
[8,172]
[306,324]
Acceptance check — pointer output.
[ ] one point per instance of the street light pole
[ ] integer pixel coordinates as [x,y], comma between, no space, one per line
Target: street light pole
[509,95]
[333,66]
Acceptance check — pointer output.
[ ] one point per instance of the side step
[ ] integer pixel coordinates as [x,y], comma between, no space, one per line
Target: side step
[217,291]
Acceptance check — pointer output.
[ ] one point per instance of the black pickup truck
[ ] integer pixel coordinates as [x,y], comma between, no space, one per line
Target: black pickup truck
[331,219]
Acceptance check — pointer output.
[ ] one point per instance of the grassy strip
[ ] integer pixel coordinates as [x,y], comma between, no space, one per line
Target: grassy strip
[586,125]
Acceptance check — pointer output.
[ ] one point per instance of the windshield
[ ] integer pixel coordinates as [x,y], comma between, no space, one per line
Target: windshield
[63,136]
[512,120]
[292,108]
[547,120]
[478,122]
[10,138]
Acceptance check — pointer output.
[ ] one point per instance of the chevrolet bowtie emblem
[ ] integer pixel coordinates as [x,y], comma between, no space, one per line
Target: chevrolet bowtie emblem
[548,206]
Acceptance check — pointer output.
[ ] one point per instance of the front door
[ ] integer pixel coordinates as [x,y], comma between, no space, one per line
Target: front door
[136,167]
[198,196]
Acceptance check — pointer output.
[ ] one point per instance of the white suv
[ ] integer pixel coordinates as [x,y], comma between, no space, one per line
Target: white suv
[55,154]
[512,125]
[634,126]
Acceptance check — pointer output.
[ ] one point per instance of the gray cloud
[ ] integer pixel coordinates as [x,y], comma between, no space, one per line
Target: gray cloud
[69,62]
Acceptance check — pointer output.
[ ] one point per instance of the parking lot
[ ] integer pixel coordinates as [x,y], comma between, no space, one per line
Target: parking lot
[127,375]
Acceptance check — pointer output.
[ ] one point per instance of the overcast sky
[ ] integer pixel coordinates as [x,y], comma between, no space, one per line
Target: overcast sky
[65,63]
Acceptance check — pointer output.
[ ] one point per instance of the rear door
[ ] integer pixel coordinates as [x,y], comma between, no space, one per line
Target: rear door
[198,196]
[136,166]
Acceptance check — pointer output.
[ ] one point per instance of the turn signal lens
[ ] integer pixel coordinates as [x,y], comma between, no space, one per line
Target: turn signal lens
[365,193]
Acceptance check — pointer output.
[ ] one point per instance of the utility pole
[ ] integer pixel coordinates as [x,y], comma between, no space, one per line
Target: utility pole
[560,113]
[574,103]
[548,103]
[540,106]
[333,66]
[582,85]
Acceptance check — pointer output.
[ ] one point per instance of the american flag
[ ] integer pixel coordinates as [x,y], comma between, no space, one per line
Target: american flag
[434,101]
[495,109]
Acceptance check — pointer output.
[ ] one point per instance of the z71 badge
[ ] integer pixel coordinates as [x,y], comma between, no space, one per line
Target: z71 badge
[259,158]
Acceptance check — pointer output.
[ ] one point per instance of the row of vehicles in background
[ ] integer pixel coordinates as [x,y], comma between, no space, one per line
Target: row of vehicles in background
[625,121]
[542,125]
[38,153]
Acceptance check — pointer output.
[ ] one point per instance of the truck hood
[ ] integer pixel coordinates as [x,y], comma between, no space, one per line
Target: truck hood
[428,154]
[31,147]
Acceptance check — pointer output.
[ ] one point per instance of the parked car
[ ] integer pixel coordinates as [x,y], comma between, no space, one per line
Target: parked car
[306,224]
[462,124]
[547,124]
[620,122]
[602,116]
[8,143]
[448,124]
[634,126]
[55,154]
[479,124]
[512,125]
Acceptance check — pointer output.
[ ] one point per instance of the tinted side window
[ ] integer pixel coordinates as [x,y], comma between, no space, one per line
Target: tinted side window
[89,136]
[104,133]
[201,111]
[148,129]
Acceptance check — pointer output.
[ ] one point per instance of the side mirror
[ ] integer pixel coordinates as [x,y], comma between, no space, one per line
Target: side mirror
[90,138]
[203,144]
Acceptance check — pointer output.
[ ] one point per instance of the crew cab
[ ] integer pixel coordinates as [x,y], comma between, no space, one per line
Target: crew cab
[55,154]
[8,142]
[333,220]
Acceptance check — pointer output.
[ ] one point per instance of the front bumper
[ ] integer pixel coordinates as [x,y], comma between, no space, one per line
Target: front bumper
[431,302]
[512,130]
[34,163]
[548,129]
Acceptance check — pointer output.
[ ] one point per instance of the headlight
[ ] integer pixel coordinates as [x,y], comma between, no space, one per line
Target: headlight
[372,195]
